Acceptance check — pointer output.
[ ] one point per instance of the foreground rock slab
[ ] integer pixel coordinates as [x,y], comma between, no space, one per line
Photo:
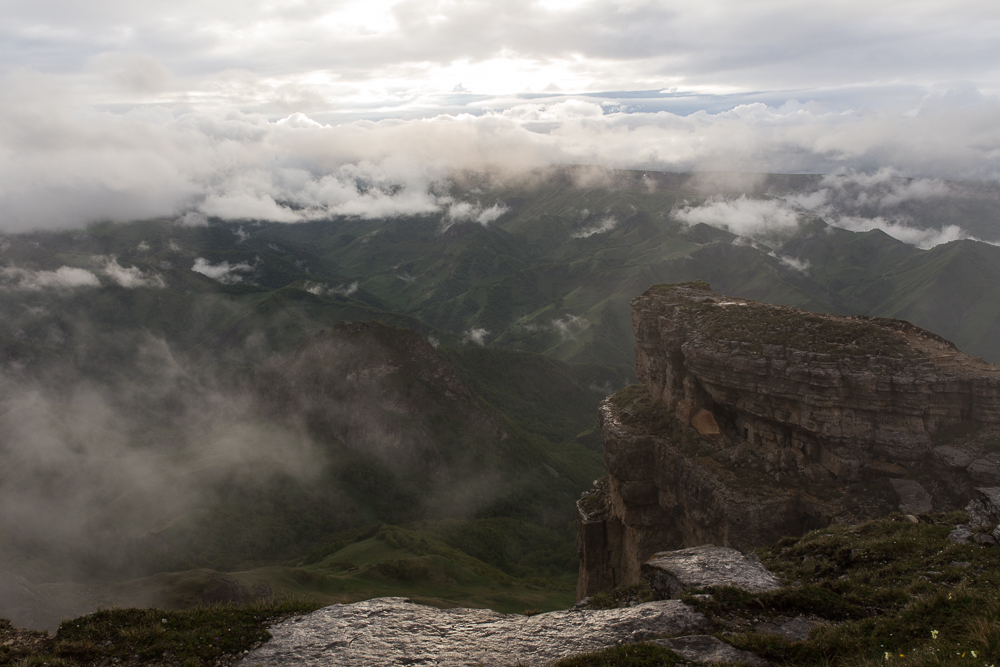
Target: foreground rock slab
[394,631]
[670,573]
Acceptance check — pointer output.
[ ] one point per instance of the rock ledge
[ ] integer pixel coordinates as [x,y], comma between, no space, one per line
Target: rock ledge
[394,631]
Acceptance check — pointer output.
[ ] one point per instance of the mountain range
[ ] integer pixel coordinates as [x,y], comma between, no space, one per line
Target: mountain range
[354,406]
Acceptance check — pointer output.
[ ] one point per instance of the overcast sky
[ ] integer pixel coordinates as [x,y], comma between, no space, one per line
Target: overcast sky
[112,108]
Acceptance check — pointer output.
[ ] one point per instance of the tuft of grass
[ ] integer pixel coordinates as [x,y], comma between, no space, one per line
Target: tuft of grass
[888,593]
[201,636]
[622,596]
[630,655]
[893,592]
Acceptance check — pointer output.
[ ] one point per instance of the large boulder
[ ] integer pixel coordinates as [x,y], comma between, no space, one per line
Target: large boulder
[670,573]
[394,631]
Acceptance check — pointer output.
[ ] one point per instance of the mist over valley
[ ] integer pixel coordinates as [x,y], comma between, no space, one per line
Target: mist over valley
[183,397]
[318,319]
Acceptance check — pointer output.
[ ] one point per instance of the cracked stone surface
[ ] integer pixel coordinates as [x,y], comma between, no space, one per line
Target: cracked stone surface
[670,573]
[394,631]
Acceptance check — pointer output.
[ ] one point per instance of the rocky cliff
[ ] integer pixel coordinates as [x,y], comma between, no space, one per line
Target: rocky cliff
[754,421]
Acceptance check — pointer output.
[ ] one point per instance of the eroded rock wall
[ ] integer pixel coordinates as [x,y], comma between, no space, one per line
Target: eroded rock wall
[755,421]
[843,392]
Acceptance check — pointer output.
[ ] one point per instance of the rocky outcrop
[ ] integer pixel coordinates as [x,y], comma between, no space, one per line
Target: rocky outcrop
[670,573]
[754,421]
[844,392]
[983,513]
[394,631]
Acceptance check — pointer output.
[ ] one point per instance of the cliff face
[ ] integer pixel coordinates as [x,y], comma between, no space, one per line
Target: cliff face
[755,421]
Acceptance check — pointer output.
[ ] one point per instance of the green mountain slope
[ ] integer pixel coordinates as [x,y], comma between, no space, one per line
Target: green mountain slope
[185,399]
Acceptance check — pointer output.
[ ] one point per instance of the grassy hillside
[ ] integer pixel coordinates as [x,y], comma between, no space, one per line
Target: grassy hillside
[883,592]
[167,407]
[555,272]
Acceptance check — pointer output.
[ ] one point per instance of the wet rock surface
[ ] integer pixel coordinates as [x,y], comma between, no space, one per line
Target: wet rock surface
[670,573]
[394,631]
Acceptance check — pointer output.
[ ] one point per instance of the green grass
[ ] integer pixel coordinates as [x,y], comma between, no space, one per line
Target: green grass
[886,592]
[635,655]
[886,587]
[194,637]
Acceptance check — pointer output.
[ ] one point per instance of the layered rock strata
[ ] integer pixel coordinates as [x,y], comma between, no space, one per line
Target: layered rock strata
[753,421]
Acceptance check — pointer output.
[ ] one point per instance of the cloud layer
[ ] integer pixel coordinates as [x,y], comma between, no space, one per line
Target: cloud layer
[414,56]
[62,165]
[855,202]
[284,112]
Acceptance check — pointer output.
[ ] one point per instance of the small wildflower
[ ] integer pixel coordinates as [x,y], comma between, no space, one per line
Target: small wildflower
[934,634]
[974,654]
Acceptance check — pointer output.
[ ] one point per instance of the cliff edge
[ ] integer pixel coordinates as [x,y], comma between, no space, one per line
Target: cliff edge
[753,421]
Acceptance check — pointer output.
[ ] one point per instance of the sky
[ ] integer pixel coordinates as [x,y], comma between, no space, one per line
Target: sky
[112,109]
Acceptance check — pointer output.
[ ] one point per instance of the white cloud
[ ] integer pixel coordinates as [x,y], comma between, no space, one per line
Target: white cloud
[130,277]
[475,335]
[319,289]
[558,112]
[800,265]
[605,225]
[570,325]
[879,190]
[840,196]
[862,202]
[63,278]
[488,215]
[222,272]
[63,163]
[566,326]
[460,211]
[922,238]
[754,218]
[248,206]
